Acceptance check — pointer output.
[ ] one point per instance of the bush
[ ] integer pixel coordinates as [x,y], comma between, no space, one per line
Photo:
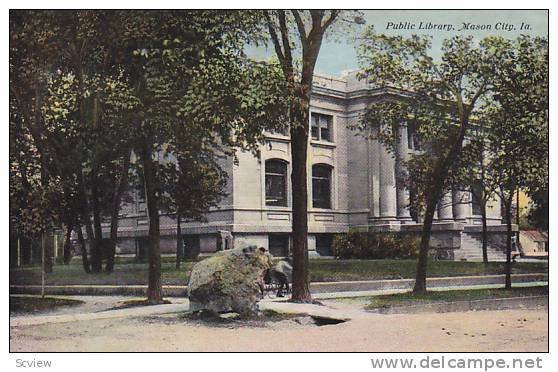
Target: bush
[372,245]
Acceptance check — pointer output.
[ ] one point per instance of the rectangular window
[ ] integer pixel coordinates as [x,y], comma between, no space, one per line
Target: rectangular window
[191,247]
[279,245]
[276,183]
[321,186]
[315,127]
[324,244]
[321,127]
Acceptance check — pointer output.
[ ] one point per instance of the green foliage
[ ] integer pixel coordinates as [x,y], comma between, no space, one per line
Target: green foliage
[408,299]
[202,100]
[34,304]
[72,108]
[88,88]
[130,272]
[538,214]
[369,245]
[436,98]
[518,118]
[509,148]
[494,92]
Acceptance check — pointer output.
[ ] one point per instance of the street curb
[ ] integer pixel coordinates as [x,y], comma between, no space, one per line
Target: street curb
[373,285]
[527,302]
[317,287]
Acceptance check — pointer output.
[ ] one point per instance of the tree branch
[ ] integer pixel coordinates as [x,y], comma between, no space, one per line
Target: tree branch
[332,16]
[301,28]
[479,92]
[285,38]
[317,16]
[275,39]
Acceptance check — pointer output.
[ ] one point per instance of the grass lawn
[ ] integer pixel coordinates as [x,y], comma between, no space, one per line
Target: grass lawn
[129,272]
[407,299]
[339,270]
[32,304]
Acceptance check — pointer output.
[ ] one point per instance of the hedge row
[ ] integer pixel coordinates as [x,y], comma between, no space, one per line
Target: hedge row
[370,245]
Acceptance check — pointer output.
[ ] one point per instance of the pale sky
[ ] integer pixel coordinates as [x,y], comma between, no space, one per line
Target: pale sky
[338,56]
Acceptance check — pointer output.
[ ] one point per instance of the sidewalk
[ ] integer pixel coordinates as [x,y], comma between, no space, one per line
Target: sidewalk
[138,311]
[317,288]
[182,305]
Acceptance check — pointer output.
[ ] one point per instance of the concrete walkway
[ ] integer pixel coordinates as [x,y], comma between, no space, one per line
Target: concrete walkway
[177,307]
[181,305]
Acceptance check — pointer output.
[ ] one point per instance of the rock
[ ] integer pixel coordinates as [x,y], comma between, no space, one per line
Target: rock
[229,281]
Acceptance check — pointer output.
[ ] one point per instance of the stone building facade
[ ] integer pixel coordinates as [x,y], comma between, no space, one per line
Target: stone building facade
[353,183]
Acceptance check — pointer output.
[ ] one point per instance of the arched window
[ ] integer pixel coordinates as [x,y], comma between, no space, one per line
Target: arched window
[276,182]
[321,186]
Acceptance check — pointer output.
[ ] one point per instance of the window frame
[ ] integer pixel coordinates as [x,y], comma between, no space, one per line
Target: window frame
[329,169]
[279,238]
[330,125]
[285,174]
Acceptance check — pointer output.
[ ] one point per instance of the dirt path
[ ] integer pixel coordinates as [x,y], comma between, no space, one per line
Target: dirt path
[512,330]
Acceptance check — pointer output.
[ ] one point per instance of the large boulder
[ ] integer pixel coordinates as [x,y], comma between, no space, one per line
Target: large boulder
[229,280]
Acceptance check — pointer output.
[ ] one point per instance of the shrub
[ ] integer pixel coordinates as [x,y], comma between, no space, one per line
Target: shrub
[372,245]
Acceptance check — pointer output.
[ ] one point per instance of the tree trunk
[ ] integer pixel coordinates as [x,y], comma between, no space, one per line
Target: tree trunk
[420,280]
[311,42]
[97,253]
[179,241]
[43,258]
[97,249]
[154,289]
[517,217]
[483,201]
[48,253]
[507,207]
[439,176]
[68,244]
[84,257]
[117,197]
[85,218]
[484,233]
[299,176]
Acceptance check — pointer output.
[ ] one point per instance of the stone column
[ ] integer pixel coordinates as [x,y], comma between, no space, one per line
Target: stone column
[387,185]
[461,204]
[445,210]
[401,158]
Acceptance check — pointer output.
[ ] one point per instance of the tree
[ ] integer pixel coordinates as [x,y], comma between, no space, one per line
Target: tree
[440,98]
[518,123]
[72,100]
[199,96]
[30,60]
[35,206]
[538,214]
[311,27]
[197,183]
[474,172]
[92,87]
